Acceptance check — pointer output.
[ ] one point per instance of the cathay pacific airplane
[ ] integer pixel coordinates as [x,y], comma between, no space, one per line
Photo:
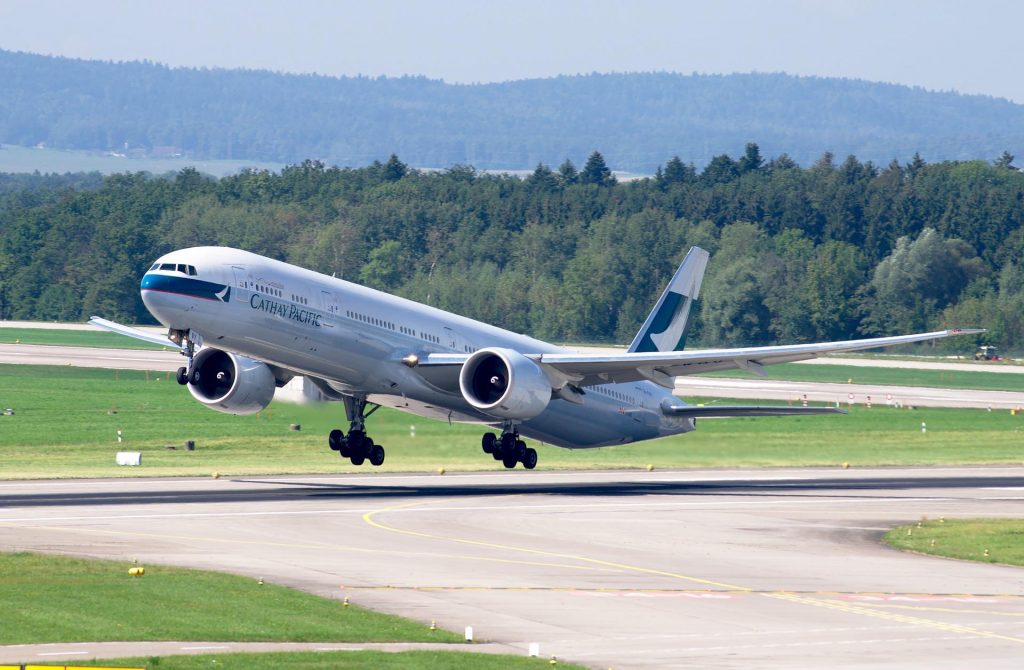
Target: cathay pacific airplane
[248,324]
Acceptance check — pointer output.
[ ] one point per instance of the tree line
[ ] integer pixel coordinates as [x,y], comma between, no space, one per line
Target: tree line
[832,251]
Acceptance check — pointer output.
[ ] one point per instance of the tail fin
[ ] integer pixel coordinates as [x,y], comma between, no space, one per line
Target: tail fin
[665,327]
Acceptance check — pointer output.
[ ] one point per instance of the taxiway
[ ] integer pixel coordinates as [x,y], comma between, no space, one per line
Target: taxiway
[711,569]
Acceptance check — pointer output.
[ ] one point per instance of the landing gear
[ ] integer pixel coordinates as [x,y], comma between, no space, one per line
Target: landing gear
[188,341]
[509,449]
[357,446]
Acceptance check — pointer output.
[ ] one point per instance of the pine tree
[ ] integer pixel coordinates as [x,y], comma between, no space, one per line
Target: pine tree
[567,173]
[596,171]
[395,169]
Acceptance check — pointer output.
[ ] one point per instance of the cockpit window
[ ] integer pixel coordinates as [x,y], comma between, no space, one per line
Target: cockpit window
[184,269]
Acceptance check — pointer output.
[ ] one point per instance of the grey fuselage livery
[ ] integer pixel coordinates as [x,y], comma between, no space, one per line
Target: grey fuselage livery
[359,342]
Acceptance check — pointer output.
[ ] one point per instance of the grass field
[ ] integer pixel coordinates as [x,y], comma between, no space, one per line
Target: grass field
[66,421]
[985,540]
[64,599]
[75,338]
[15,158]
[356,660]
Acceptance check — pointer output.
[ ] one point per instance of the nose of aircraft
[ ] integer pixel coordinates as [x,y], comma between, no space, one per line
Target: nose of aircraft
[166,306]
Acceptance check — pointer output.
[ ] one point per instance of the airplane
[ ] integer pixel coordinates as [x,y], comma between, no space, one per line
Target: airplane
[248,324]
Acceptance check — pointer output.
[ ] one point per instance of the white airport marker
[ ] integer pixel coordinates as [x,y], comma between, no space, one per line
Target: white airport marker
[469,633]
[534,649]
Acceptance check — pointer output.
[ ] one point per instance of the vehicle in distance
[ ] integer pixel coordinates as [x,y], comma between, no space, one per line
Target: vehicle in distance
[248,324]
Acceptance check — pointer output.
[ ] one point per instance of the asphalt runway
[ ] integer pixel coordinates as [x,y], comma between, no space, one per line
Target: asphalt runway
[710,569]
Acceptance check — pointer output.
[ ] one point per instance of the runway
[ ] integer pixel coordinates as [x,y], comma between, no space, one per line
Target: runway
[710,569]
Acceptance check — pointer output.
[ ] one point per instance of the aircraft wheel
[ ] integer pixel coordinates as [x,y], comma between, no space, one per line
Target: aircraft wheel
[334,439]
[488,442]
[530,458]
[520,450]
[510,461]
[508,443]
[356,441]
[357,459]
[182,376]
[496,454]
[376,455]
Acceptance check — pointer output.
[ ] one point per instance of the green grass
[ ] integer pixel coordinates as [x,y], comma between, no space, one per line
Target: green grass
[66,422]
[841,374]
[63,599]
[15,158]
[984,540]
[75,338]
[408,660]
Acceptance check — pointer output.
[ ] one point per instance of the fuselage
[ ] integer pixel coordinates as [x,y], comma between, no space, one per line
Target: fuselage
[354,338]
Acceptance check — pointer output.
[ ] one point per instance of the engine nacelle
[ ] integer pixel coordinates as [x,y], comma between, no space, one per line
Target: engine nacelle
[231,383]
[505,384]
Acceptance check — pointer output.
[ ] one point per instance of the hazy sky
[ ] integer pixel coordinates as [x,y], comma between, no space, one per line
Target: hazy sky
[968,46]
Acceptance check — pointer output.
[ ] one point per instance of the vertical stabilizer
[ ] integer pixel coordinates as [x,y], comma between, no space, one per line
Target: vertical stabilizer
[666,326]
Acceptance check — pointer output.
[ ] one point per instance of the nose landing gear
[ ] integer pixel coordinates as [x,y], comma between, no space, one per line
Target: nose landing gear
[356,446]
[509,449]
[188,341]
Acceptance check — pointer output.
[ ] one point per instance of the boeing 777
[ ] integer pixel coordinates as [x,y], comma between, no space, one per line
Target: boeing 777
[248,324]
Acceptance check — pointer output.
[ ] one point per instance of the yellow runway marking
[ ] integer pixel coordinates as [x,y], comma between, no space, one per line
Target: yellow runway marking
[301,545]
[863,609]
[368,518]
[947,610]
[867,610]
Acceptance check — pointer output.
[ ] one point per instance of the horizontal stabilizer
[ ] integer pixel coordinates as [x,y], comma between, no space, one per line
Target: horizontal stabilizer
[143,335]
[725,411]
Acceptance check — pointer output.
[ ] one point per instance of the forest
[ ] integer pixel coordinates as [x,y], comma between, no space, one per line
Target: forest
[832,251]
[638,120]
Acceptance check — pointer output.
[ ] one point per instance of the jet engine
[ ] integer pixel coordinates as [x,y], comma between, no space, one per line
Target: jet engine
[231,383]
[505,384]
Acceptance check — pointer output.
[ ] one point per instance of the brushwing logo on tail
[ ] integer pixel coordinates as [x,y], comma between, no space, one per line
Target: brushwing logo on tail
[665,328]
[673,338]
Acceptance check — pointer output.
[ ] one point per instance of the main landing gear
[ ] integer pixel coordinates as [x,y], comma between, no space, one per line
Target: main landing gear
[357,445]
[509,449]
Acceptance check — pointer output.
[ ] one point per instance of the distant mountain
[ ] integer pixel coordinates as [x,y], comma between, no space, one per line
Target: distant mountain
[638,121]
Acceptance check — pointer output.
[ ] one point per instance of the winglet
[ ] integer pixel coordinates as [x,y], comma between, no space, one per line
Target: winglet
[666,325]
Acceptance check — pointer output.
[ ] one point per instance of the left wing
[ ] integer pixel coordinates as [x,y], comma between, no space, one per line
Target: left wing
[662,367]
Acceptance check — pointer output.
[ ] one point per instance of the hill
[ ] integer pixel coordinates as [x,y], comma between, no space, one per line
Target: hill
[637,121]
